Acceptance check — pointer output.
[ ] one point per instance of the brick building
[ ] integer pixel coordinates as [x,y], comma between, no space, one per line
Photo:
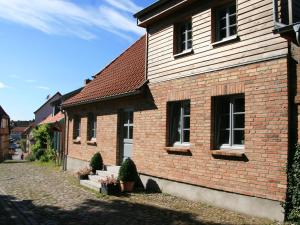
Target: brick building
[210,116]
[4,134]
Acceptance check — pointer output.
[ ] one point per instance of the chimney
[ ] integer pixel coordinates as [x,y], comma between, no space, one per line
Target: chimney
[86,81]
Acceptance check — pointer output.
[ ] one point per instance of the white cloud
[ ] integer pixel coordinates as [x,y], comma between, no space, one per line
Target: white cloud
[2,85]
[30,81]
[125,5]
[63,17]
[43,87]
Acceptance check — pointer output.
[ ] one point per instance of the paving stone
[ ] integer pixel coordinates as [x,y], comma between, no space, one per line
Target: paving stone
[48,197]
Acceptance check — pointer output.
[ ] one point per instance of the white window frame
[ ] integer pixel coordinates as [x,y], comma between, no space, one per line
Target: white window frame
[127,124]
[227,21]
[77,127]
[231,129]
[185,26]
[92,126]
[182,127]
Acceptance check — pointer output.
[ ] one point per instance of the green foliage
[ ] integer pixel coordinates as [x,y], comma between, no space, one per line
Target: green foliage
[42,138]
[39,153]
[292,204]
[30,157]
[96,162]
[23,143]
[48,155]
[128,171]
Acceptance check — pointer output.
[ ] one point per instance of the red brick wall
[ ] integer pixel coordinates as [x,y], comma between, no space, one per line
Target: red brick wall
[266,131]
[107,129]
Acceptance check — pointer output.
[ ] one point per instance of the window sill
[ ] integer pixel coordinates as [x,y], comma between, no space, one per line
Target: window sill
[184,53]
[92,142]
[181,150]
[76,141]
[226,40]
[229,153]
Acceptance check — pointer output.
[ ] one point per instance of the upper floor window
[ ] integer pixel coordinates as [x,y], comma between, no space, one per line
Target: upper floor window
[183,36]
[92,126]
[76,127]
[229,121]
[226,22]
[179,123]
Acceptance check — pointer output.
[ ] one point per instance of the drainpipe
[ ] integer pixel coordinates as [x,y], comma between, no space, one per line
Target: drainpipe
[297,30]
[66,138]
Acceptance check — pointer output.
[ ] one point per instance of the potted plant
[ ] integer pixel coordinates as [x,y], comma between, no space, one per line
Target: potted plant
[109,186]
[83,174]
[127,175]
[96,162]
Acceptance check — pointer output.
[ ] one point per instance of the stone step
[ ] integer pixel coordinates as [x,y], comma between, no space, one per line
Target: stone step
[104,173]
[96,178]
[113,169]
[91,184]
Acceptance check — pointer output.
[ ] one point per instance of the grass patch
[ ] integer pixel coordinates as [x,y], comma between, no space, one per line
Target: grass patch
[50,165]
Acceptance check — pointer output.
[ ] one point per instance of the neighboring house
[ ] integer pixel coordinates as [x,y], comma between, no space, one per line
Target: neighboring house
[18,133]
[57,123]
[95,116]
[46,109]
[4,134]
[211,116]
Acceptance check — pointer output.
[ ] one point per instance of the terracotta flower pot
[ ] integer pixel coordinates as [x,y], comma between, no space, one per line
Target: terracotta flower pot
[127,186]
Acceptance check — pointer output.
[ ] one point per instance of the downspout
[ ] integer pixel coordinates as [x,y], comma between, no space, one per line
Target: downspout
[146,55]
[66,138]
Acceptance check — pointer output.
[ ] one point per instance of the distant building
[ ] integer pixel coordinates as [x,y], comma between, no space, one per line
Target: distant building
[46,109]
[56,120]
[17,133]
[4,134]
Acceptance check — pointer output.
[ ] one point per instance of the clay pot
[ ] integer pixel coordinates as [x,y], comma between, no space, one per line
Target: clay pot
[127,186]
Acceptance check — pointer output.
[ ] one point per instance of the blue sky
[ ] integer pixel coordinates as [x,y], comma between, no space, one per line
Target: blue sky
[53,45]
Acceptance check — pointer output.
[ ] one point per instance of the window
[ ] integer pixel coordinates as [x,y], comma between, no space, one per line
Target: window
[229,122]
[76,127]
[179,123]
[226,22]
[92,126]
[183,37]
[128,124]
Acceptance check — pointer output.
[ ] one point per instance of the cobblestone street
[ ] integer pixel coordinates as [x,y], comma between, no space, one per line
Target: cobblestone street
[31,194]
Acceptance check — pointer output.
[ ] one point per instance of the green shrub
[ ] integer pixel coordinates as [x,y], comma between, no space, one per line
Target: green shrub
[38,154]
[42,138]
[48,155]
[292,204]
[96,162]
[30,157]
[128,171]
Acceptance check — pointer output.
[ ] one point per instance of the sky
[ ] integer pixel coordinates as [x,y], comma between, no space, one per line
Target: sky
[48,46]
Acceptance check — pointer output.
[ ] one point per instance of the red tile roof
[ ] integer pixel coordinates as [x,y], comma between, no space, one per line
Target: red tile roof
[53,119]
[124,75]
[18,130]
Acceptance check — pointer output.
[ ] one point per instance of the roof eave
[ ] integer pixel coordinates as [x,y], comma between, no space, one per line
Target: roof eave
[106,98]
[144,22]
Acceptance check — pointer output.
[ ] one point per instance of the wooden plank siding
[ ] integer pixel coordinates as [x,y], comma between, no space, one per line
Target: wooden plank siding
[256,41]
